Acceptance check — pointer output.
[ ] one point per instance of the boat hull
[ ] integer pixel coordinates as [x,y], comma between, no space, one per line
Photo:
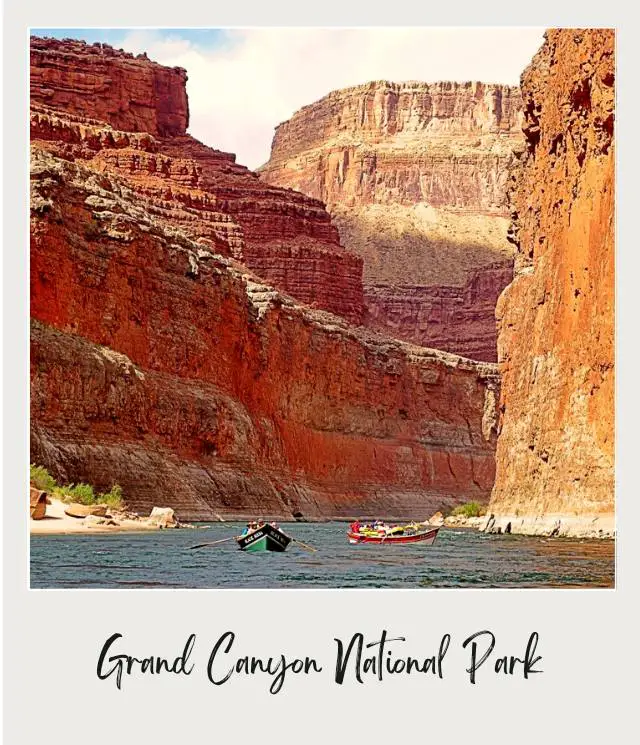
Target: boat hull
[74,509]
[427,537]
[266,538]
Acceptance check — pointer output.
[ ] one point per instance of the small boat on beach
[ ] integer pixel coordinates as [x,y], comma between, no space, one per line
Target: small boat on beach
[393,534]
[264,537]
[74,509]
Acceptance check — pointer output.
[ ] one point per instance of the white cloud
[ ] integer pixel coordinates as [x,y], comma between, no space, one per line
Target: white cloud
[241,89]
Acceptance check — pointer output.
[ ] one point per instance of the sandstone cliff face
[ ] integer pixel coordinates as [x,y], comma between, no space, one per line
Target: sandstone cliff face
[556,343]
[415,176]
[445,144]
[161,362]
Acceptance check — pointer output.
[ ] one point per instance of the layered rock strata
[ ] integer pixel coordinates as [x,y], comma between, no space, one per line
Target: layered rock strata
[555,457]
[130,114]
[414,175]
[99,82]
[445,144]
[161,362]
[439,313]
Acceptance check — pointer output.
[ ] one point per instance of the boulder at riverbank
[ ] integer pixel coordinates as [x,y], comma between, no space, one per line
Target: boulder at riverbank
[57,521]
[552,525]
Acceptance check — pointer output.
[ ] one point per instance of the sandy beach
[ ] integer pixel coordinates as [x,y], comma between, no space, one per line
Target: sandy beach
[56,522]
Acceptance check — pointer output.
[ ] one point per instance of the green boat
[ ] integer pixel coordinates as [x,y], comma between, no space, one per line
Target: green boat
[264,538]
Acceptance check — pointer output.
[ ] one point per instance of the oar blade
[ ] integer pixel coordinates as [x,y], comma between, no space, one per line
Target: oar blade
[213,543]
[304,545]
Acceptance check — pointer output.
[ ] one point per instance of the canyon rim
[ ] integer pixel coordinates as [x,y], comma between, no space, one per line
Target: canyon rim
[407,308]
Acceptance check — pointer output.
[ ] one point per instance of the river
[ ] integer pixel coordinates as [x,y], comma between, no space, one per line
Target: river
[458,558]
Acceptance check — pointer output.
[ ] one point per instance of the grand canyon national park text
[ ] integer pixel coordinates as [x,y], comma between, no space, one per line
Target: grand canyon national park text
[356,658]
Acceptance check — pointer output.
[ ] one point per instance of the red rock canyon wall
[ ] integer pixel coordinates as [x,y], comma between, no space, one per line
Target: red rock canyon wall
[555,454]
[160,360]
[99,82]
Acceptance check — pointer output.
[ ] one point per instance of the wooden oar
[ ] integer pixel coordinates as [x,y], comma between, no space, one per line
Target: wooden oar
[304,545]
[213,543]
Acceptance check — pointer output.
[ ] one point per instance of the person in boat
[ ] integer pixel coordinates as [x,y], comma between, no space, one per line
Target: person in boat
[355,526]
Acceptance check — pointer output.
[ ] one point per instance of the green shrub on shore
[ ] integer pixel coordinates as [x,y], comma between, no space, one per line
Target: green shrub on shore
[81,493]
[469,509]
[114,497]
[42,479]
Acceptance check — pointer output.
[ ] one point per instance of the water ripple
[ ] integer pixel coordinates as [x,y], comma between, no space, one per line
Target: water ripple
[459,558]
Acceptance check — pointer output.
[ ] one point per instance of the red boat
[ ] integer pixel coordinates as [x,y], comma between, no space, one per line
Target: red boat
[425,535]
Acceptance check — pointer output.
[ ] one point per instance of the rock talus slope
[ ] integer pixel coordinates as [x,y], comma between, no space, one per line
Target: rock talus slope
[555,451]
[414,175]
[166,357]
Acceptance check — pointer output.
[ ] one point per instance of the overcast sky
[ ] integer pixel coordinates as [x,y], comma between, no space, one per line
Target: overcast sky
[243,82]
